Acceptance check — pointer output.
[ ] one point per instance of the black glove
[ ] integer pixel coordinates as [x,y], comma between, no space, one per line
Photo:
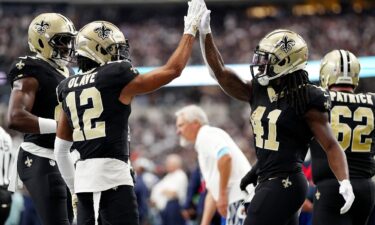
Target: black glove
[249,178]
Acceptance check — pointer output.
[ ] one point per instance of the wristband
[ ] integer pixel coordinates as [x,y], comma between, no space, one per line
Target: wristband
[65,162]
[47,126]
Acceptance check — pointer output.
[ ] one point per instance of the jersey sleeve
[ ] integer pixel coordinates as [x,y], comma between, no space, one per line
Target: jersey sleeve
[120,73]
[24,67]
[319,99]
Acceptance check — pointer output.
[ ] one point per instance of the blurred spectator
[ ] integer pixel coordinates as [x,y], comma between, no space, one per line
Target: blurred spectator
[193,206]
[142,191]
[305,217]
[222,164]
[6,158]
[169,193]
[195,198]
[233,30]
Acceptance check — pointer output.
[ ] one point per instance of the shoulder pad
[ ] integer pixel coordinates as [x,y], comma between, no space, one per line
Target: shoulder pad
[27,66]
[319,98]
[118,72]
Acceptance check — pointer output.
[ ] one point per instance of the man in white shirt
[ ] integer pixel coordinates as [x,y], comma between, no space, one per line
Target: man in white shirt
[221,161]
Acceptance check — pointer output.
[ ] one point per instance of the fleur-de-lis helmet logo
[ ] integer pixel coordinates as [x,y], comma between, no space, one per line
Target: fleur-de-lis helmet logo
[286,44]
[103,31]
[42,27]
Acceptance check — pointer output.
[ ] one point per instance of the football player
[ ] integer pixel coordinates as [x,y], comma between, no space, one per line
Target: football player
[96,107]
[287,111]
[352,122]
[33,110]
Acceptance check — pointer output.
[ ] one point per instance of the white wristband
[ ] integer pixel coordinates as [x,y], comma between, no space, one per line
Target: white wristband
[65,162]
[47,126]
[344,182]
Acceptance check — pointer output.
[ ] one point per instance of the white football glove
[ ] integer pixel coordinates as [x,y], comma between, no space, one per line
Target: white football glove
[194,15]
[204,26]
[204,29]
[249,193]
[346,190]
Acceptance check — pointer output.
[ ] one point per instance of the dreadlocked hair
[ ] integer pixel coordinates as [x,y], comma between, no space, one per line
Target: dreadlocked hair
[294,86]
[86,64]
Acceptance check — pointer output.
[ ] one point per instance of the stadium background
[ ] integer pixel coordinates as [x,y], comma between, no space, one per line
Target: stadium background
[153,28]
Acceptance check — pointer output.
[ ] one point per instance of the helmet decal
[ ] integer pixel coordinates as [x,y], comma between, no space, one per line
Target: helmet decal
[41,27]
[286,44]
[103,31]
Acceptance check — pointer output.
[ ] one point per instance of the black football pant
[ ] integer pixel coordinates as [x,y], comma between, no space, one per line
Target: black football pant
[277,201]
[117,206]
[5,203]
[328,201]
[47,188]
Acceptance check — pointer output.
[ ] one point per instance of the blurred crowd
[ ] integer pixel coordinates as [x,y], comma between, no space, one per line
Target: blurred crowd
[153,34]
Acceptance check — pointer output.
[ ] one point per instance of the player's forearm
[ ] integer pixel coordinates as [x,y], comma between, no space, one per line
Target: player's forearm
[229,81]
[213,57]
[178,60]
[337,162]
[23,121]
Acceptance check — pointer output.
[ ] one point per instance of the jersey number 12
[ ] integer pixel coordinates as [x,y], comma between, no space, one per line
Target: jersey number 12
[90,130]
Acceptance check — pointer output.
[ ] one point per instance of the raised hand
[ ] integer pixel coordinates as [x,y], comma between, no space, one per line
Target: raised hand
[194,15]
[204,26]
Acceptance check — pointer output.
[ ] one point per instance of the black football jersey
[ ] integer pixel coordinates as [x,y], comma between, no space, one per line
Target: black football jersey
[281,136]
[45,104]
[352,121]
[99,120]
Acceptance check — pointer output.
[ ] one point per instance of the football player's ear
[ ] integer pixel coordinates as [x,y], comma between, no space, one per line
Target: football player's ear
[193,17]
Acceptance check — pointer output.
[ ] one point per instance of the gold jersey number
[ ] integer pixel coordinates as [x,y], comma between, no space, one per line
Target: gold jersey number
[256,120]
[353,137]
[89,131]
